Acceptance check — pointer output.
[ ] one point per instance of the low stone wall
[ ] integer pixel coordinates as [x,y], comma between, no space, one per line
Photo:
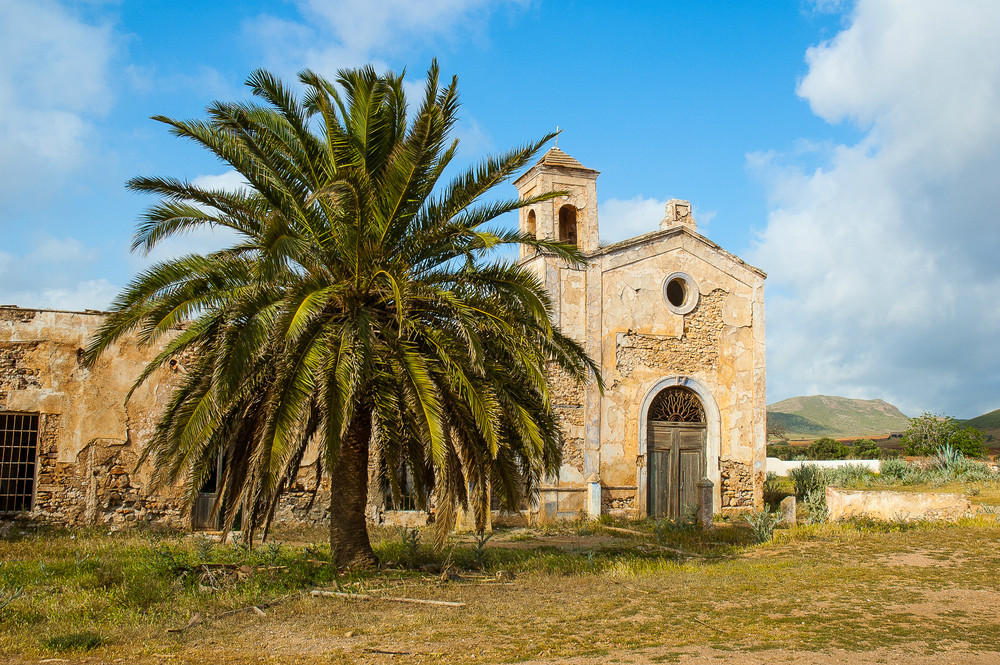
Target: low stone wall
[782,467]
[888,505]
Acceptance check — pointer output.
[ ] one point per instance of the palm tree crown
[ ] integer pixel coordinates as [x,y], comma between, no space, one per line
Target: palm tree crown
[358,310]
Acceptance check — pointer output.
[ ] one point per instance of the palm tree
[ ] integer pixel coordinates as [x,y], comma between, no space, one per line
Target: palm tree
[359,310]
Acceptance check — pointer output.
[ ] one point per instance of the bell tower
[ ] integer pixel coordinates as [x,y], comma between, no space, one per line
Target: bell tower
[570,218]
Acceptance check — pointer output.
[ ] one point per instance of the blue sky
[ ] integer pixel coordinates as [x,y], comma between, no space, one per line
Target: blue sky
[849,149]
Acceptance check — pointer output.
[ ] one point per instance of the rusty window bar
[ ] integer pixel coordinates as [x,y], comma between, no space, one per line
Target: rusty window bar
[18,452]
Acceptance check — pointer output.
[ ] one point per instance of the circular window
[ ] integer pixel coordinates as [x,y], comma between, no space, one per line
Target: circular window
[680,293]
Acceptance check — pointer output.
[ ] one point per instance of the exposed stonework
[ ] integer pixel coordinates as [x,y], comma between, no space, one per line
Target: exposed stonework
[737,485]
[88,440]
[696,350]
[15,374]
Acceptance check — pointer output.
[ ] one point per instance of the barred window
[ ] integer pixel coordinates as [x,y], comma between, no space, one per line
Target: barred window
[18,452]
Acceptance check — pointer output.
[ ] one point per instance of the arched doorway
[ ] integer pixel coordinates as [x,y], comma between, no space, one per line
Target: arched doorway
[675,448]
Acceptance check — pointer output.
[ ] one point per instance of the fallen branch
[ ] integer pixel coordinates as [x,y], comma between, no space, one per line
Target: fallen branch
[257,609]
[631,532]
[707,625]
[8,599]
[364,596]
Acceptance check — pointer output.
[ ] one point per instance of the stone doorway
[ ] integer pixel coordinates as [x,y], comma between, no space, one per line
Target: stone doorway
[202,518]
[675,452]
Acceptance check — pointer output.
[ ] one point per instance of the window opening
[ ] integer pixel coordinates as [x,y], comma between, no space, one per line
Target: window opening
[567,225]
[18,452]
[531,226]
[407,493]
[680,293]
[676,292]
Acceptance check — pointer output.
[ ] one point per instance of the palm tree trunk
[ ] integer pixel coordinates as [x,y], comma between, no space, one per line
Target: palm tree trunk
[349,542]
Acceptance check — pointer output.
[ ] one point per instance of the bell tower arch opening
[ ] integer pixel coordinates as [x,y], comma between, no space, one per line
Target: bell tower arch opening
[567,225]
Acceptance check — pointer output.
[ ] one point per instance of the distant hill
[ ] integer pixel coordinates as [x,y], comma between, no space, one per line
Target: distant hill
[986,421]
[822,415]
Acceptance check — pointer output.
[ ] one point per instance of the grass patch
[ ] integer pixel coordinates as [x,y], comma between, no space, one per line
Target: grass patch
[84,641]
[577,590]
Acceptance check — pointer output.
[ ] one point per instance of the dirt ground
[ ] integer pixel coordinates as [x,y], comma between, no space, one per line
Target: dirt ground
[923,596]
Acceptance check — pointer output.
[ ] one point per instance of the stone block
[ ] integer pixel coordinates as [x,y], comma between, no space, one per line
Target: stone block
[788,509]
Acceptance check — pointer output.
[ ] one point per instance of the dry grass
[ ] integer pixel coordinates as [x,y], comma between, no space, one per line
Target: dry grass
[581,594]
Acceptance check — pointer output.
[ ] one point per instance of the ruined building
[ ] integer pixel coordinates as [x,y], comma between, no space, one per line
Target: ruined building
[675,322]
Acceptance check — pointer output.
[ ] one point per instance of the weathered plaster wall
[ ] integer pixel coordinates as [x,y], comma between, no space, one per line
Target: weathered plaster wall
[89,440]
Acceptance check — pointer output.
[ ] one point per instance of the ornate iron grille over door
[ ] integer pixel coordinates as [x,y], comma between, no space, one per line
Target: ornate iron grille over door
[677,405]
[675,435]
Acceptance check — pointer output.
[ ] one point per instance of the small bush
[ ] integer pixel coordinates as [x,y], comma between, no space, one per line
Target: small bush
[773,489]
[969,441]
[850,475]
[781,451]
[815,505]
[762,523]
[866,449]
[807,478]
[894,469]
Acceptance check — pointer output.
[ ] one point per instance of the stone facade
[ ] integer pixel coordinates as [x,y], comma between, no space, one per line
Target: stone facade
[707,337]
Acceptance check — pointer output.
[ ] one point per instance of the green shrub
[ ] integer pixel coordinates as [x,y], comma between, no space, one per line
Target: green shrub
[782,451]
[866,449]
[849,475]
[894,469]
[815,505]
[807,478]
[969,441]
[762,523]
[928,433]
[827,449]
[773,489]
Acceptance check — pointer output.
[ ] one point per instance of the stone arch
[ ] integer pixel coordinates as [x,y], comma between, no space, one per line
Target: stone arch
[567,224]
[713,436]
[530,225]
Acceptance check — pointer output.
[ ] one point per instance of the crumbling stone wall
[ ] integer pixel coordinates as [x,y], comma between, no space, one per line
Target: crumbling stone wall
[738,486]
[14,373]
[88,439]
[696,351]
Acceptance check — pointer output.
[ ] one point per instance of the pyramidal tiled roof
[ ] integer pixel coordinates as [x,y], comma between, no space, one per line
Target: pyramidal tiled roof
[556,157]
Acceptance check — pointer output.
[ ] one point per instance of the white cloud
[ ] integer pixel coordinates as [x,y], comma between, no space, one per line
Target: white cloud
[52,275]
[349,33]
[883,271]
[53,80]
[620,219]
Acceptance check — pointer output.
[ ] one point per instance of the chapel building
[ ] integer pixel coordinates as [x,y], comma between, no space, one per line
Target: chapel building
[676,324]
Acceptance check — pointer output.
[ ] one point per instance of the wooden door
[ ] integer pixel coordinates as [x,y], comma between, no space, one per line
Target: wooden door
[676,462]
[202,518]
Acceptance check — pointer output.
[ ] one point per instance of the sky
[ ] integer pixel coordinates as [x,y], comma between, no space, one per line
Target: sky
[851,150]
